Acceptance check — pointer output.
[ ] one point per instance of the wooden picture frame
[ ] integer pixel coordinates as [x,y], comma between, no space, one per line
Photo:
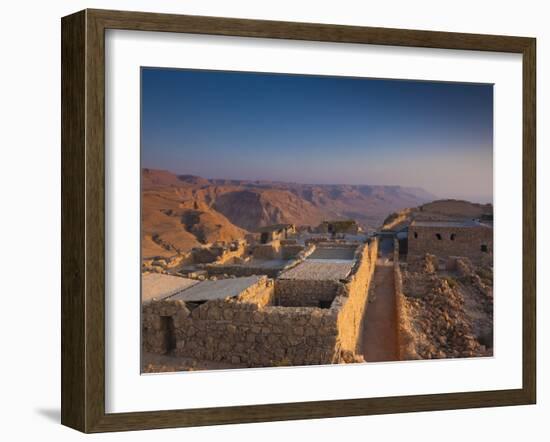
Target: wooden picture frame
[83,220]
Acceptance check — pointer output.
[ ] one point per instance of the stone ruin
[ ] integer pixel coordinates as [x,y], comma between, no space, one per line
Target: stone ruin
[471,239]
[310,314]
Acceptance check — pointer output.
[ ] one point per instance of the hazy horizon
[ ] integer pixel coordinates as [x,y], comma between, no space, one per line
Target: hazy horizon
[320,130]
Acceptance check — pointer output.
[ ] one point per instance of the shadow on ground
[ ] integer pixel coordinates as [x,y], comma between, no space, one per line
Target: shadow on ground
[51,414]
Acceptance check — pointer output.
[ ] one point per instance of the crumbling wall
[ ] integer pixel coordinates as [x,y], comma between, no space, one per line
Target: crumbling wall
[249,330]
[218,253]
[351,303]
[290,251]
[159,265]
[405,340]
[249,269]
[203,255]
[234,250]
[270,250]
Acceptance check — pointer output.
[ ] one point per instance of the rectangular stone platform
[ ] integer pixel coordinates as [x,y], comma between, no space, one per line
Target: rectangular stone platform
[160,286]
[219,289]
[320,270]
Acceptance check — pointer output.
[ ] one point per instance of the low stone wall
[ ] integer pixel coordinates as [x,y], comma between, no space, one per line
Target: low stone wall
[305,293]
[451,241]
[241,270]
[300,257]
[290,251]
[159,265]
[267,251]
[249,330]
[405,340]
[202,255]
[351,304]
[244,330]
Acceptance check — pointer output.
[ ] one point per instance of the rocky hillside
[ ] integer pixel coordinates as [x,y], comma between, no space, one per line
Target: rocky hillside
[183,211]
[438,210]
[447,314]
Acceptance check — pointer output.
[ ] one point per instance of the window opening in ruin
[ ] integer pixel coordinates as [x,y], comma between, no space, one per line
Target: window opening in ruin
[438,236]
[484,248]
[325,304]
[453,236]
[167,327]
[264,237]
[416,234]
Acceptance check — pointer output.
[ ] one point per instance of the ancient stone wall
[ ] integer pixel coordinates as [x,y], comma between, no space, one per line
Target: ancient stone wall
[267,251]
[249,330]
[244,330]
[305,293]
[289,251]
[475,243]
[405,342]
[351,303]
[249,269]
[203,255]
[159,265]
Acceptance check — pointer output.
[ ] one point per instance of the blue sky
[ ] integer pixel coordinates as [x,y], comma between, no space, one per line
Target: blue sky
[320,130]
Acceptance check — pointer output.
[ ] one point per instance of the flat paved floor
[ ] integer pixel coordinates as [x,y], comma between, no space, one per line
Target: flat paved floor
[380,329]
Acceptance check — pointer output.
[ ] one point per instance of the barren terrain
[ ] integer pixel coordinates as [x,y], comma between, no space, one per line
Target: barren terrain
[450,312]
[180,212]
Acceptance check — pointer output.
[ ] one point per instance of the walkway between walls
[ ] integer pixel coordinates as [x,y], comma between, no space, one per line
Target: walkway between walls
[380,323]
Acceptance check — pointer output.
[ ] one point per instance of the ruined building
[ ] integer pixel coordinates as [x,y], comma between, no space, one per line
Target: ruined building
[339,226]
[311,313]
[276,232]
[471,239]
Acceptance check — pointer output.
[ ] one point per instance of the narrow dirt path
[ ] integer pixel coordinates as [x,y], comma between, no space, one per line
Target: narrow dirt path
[380,329]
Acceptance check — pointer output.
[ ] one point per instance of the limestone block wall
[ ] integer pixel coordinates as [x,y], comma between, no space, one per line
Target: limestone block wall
[351,303]
[305,293]
[236,251]
[405,341]
[256,336]
[466,241]
[267,251]
[248,269]
[249,330]
[244,330]
[290,251]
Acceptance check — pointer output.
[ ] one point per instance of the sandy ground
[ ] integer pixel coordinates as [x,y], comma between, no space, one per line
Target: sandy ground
[153,363]
[380,330]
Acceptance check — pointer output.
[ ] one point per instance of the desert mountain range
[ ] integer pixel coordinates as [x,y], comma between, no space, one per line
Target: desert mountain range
[184,211]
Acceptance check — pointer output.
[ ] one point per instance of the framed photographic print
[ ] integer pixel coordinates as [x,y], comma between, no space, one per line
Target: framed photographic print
[270,220]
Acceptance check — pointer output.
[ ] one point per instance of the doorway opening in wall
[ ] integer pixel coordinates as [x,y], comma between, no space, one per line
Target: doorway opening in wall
[167,327]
